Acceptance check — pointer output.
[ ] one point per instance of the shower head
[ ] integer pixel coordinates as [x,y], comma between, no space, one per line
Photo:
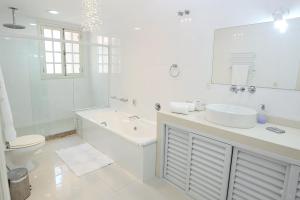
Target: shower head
[13,25]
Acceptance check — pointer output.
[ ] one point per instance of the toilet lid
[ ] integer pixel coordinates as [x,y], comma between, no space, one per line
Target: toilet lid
[27,141]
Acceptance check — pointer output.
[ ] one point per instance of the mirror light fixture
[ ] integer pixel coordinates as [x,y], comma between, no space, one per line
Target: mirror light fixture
[90,16]
[280,22]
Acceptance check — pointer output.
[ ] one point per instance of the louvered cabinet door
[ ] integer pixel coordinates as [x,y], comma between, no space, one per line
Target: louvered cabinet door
[256,177]
[209,169]
[297,195]
[176,156]
[294,184]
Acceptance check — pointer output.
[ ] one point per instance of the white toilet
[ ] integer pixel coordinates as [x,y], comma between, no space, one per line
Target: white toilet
[20,151]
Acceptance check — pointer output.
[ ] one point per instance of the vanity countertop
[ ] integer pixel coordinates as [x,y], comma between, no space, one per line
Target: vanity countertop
[287,144]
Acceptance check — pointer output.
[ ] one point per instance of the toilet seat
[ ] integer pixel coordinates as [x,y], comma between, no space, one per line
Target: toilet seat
[26,141]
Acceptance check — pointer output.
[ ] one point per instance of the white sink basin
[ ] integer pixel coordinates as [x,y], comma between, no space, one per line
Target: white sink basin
[231,116]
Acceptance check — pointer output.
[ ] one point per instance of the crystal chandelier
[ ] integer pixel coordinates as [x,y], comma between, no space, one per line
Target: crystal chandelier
[90,16]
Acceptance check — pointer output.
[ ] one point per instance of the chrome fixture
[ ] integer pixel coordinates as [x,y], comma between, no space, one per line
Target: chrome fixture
[134,117]
[184,16]
[7,144]
[13,25]
[251,89]
[157,106]
[113,97]
[174,71]
[134,102]
[104,124]
[236,89]
[123,100]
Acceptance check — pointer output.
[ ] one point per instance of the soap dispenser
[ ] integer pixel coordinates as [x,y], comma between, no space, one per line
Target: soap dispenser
[262,117]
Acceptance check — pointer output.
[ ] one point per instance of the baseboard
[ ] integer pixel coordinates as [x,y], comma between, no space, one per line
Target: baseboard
[60,135]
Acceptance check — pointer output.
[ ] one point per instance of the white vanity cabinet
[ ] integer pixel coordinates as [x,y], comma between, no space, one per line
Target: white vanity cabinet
[198,165]
[293,192]
[258,177]
[207,169]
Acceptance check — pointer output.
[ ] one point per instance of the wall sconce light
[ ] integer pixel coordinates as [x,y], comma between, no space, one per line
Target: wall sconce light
[280,22]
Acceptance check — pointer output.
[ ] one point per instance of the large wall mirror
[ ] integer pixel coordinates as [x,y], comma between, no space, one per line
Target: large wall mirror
[258,55]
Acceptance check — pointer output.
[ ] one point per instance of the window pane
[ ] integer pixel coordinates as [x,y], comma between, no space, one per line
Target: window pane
[57,46]
[58,69]
[105,50]
[68,47]
[49,68]
[69,58]
[48,45]
[69,68]
[75,37]
[114,59]
[47,33]
[100,60]
[77,68]
[100,68]
[105,68]
[56,34]
[49,57]
[100,50]
[99,39]
[105,40]
[76,58]
[68,36]
[105,59]
[76,48]
[57,57]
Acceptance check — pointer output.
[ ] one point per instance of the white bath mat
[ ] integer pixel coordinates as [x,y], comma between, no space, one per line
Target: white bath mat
[83,158]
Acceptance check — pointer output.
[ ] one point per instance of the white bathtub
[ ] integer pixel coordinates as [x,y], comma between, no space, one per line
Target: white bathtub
[131,143]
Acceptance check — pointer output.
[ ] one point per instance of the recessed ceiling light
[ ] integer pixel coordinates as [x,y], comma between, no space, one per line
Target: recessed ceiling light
[137,28]
[53,12]
[32,24]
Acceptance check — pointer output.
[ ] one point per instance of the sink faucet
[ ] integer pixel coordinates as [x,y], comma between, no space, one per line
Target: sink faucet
[134,117]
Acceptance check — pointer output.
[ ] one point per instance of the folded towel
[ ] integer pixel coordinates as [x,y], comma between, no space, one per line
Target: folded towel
[239,74]
[7,118]
[181,107]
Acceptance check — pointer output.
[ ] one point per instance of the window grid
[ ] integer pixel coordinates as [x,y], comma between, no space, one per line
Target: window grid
[103,55]
[53,51]
[72,52]
[61,58]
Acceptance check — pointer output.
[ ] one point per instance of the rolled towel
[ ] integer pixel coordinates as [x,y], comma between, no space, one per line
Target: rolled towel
[181,108]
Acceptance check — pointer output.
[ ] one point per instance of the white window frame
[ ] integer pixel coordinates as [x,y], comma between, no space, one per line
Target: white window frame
[63,42]
[101,63]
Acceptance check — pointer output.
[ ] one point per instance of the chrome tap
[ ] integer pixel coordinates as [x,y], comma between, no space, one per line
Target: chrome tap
[123,100]
[251,89]
[104,124]
[236,89]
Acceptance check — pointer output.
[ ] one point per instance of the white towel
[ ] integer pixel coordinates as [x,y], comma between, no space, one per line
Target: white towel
[239,75]
[5,111]
[180,107]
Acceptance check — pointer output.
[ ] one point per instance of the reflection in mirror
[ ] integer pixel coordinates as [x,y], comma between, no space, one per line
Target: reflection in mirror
[259,55]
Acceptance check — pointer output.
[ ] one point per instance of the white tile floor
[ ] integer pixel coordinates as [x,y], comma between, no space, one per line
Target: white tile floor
[52,179]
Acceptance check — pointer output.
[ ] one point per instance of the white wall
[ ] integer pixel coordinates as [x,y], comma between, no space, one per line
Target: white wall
[148,54]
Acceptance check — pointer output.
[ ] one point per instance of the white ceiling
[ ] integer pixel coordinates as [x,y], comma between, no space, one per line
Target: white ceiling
[136,12]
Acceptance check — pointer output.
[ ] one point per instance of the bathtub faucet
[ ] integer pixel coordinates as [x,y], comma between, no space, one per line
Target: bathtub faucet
[134,117]
[104,124]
